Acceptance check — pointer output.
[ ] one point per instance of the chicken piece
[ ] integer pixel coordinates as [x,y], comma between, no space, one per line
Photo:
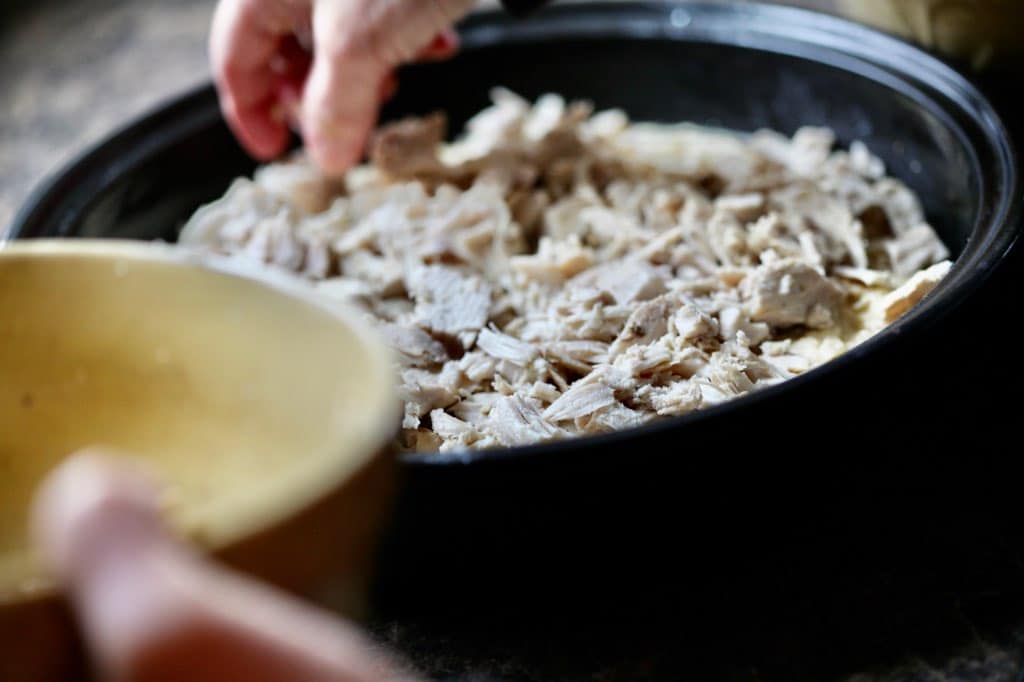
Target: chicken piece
[318,263]
[789,292]
[415,347]
[864,162]
[515,421]
[677,398]
[492,129]
[839,235]
[915,249]
[647,323]
[422,392]
[447,426]
[603,125]
[735,323]
[448,302]
[421,440]
[475,408]
[544,392]
[902,209]
[300,184]
[396,310]
[226,225]
[627,282]
[866,276]
[579,356]
[579,401]
[383,275]
[802,155]
[457,435]
[545,116]
[728,373]
[690,152]
[745,207]
[594,320]
[408,148]
[690,323]
[728,240]
[527,207]
[788,365]
[555,273]
[809,149]
[554,262]
[644,360]
[519,377]
[504,347]
[917,287]
[478,366]
[710,394]
[615,417]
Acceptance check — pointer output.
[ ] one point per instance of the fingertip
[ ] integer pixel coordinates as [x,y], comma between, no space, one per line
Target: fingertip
[262,132]
[334,153]
[339,109]
[336,139]
[73,501]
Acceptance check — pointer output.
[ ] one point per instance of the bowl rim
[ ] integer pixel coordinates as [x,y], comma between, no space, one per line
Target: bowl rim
[338,461]
[789,31]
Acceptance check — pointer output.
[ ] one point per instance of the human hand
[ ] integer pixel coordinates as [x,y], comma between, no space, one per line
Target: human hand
[151,609]
[265,76]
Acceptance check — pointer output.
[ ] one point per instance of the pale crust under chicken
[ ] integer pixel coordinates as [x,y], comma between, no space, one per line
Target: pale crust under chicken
[557,273]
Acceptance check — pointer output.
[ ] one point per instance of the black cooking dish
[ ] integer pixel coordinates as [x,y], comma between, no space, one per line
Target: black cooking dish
[742,66]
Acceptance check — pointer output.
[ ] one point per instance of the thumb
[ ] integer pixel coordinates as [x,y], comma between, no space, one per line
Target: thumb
[150,609]
[357,45]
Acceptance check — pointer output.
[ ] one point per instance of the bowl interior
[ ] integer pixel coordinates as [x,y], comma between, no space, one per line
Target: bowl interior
[248,401]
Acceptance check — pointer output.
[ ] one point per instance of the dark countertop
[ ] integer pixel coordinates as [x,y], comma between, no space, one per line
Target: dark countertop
[941,601]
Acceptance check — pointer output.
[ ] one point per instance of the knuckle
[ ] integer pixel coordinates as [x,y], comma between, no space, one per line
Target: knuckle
[371,40]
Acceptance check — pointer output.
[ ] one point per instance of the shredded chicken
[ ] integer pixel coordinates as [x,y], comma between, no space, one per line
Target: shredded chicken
[557,272]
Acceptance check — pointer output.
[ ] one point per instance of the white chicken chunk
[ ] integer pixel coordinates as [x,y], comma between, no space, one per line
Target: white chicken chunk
[789,292]
[555,272]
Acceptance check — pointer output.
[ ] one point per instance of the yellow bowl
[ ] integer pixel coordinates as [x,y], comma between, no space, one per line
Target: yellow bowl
[267,411]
